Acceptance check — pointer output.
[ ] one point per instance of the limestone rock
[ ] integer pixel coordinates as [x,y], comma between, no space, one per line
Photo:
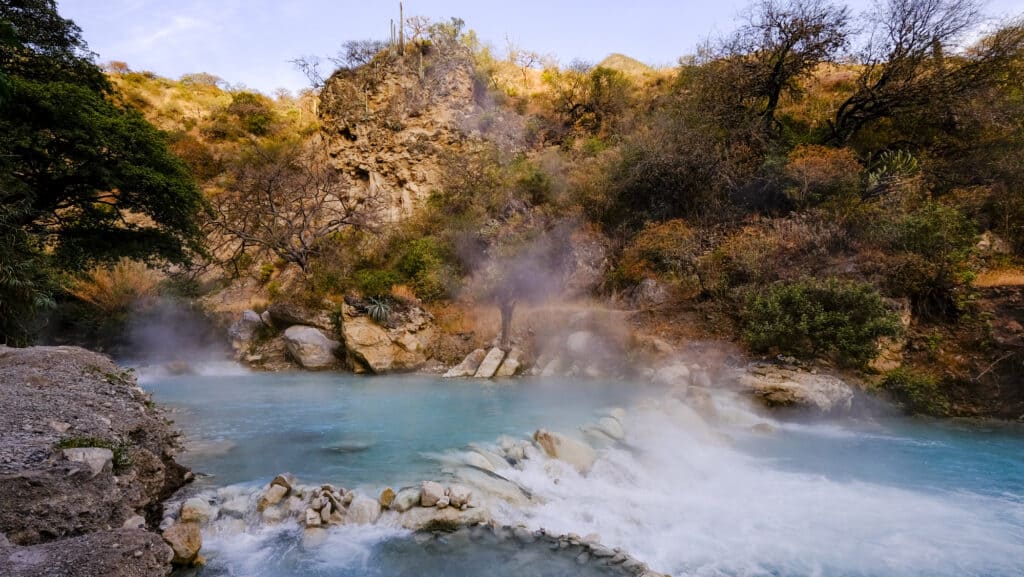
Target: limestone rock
[468,366]
[510,366]
[580,455]
[363,511]
[406,499]
[371,347]
[310,347]
[387,497]
[97,459]
[196,510]
[312,518]
[284,315]
[490,364]
[272,496]
[445,519]
[134,522]
[244,329]
[430,493]
[459,495]
[185,540]
[285,480]
[783,387]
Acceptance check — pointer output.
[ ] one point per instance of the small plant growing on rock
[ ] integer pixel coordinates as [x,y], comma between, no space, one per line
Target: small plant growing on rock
[379,310]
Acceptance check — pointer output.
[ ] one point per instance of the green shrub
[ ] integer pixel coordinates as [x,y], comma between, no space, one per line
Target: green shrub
[422,254]
[916,392]
[808,318]
[928,252]
[376,283]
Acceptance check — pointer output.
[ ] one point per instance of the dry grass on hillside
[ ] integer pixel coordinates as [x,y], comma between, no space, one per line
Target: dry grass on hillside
[1012,276]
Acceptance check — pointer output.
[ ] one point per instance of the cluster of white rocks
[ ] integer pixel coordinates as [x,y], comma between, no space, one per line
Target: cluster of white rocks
[484,364]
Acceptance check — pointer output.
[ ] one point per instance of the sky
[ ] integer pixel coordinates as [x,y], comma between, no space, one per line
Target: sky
[250,42]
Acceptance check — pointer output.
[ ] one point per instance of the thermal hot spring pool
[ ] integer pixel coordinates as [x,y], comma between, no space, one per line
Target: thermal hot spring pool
[733,493]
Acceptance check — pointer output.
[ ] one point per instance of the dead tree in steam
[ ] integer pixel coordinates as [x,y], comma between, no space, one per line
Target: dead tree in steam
[287,199]
[524,274]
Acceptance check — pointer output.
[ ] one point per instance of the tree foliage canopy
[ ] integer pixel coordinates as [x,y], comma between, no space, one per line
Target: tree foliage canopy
[87,179]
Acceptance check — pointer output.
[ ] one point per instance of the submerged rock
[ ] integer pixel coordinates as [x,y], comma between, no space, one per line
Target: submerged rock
[580,455]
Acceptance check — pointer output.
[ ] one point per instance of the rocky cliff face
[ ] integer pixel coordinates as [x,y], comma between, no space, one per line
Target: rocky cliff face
[388,123]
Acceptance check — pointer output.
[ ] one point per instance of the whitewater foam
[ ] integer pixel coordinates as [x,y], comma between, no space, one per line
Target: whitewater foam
[686,502]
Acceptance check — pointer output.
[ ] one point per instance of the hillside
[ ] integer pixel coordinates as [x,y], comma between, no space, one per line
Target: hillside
[797,219]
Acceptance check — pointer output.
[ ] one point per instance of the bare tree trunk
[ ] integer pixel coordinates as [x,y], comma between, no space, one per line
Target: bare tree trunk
[506,307]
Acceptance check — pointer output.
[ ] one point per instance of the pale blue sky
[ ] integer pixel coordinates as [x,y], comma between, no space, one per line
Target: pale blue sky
[251,41]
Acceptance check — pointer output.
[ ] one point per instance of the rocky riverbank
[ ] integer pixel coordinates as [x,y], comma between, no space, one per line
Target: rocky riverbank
[86,462]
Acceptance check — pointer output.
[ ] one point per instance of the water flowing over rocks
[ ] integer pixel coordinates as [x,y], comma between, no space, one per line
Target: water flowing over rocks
[60,505]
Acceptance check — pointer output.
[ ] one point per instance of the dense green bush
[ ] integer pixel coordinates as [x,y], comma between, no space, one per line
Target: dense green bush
[928,250]
[916,392]
[376,283]
[809,317]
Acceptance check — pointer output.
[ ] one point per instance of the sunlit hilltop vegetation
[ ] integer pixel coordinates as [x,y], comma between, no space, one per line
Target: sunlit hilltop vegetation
[800,186]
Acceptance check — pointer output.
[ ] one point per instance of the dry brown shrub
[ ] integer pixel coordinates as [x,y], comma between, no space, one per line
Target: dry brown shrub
[114,289]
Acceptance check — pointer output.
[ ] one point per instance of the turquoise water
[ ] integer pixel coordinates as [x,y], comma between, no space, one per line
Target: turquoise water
[357,430]
[854,498]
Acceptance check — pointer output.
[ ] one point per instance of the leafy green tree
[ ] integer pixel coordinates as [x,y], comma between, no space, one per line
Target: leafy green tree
[87,179]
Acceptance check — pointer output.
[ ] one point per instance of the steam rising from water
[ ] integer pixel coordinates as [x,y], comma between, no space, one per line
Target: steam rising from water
[687,503]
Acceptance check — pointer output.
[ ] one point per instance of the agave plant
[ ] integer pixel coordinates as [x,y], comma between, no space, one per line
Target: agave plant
[379,310]
[890,166]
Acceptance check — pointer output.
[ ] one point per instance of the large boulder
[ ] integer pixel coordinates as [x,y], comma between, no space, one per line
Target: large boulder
[576,453]
[310,347]
[401,346]
[185,540]
[782,387]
